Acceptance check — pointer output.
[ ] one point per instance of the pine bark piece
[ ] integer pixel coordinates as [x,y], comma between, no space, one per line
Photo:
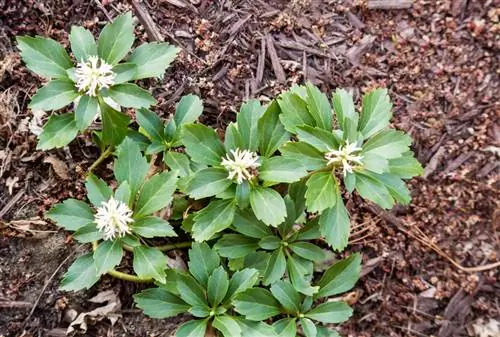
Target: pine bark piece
[275,61]
[389,4]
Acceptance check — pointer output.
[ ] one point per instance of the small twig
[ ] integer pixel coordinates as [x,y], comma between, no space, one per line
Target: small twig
[11,203]
[147,21]
[15,305]
[104,10]
[273,56]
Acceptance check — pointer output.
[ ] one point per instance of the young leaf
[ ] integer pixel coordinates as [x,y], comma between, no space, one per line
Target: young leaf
[44,56]
[194,328]
[322,190]
[307,251]
[71,214]
[256,304]
[340,277]
[55,95]
[281,169]
[123,193]
[152,59]
[130,95]
[208,182]
[114,124]
[347,116]
[227,325]
[247,120]
[149,262]
[189,108]
[214,218]
[107,255]
[232,138]
[319,107]
[130,165]
[322,140]
[294,111]
[151,123]
[82,274]
[82,43]
[152,226]
[191,291]
[236,245]
[218,283]
[268,205]
[86,111]
[247,224]
[116,39]
[308,327]
[335,226]
[272,133]
[376,112]
[276,267]
[387,144]
[202,144]
[59,131]
[177,162]
[373,190]
[97,190]
[156,193]
[288,297]
[87,233]
[202,261]
[159,303]
[241,281]
[310,157]
[330,312]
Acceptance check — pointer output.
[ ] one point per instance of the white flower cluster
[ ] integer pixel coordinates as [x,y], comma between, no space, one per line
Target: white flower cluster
[93,75]
[113,218]
[241,165]
[346,156]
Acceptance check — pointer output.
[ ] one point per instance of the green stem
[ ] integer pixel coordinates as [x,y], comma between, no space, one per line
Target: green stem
[101,158]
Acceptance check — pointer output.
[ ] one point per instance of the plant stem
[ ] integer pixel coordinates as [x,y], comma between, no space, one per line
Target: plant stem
[99,160]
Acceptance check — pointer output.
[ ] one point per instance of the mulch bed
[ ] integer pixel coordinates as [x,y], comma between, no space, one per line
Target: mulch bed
[439,60]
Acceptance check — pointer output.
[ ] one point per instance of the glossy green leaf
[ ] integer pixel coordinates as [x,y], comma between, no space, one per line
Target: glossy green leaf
[189,108]
[55,95]
[319,107]
[86,111]
[272,133]
[208,182]
[202,261]
[310,157]
[282,169]
[286,294]
[340,277]
[373,190]
[156,193]
[406,166]
[275,268]
[307,251]
[202,144]
[286,327]
[218,284]
[387,144]
[270,242]
[151,123]
[214,218]
[232,138]
[191,291]
[152,226]
[123,193]
[236,245]
[159,303]
[322,190]
[194,328]
[247,224]
[320,139]
[299,274]
[294,111]
[97,190]
[330,312]
[130,95]
[376,112]
[116,39]
[247,119]
[71,214]
[107,255]
[335,226]
[83,44]
[268,205]
[347,116]
[114,124]
[124,72]
[82,274]
[152,59]
[241,281]
[256,304]
[59,131]
[149,262]
[227,325]
[130,165]
[177,162]
[87,233]
[308,327]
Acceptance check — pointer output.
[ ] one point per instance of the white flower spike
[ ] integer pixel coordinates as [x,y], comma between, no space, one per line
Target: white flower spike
[346,156]
[241,165]
[113,219]
[93,75]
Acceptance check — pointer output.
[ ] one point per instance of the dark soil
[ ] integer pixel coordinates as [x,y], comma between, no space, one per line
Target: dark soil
[439,60]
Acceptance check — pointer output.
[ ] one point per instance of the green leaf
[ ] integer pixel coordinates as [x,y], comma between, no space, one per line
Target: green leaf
[202,261]
[227,325]
[308,327]
[236,245]
[159,303]
[275,268]
[322,140]
[232,138]
[247,120]
[272,133]
[396,187]
[347,116]
[340,277]
[268,205]
[214,218]
[294,111]
[59,131]
[325,332]
[194,328]
[151,123]
[114,124]
[286,327]
[307,251]
[322,190]
[82,274]
[97,190]
[310,157]
[152,226]
[82,43]
[124,72]
[149,262]
[335,226]
[286,294]
[55,95]
[116,39]
[241,281]
[130,165]
[218,283]
[202,144]
[71,214]
[243,194]
[373,190]
[281,169]
[330,312]
[177,162]
[107,255]
[406,166]
[86,111]
[256,304]
[152,59]
[189,108]
[375,163]
[319,107]
[208,182]
[255,329]
[87,233]
[198,311]
[387,144]
[247,224]
[270,242]
[298,272]
[156,193]
[123,192]
[130,95]
[44,56]
[191,291]
[376,112]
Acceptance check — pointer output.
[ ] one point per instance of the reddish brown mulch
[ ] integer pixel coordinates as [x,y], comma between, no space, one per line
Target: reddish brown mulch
[439,60]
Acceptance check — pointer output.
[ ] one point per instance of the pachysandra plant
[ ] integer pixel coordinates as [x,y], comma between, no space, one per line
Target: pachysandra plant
[97,79]
[259,207]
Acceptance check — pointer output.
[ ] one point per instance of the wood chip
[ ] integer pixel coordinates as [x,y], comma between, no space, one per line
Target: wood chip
[434,162]
[275,61]
[238,25]
[147,21]
[457,162]
[60,167]
[355,53]
[389,4]
[262,62]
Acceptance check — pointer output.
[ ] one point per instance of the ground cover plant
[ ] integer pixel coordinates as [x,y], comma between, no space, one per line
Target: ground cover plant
[257,209]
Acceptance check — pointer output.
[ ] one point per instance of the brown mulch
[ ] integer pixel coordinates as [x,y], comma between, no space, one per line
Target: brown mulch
[439,60]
